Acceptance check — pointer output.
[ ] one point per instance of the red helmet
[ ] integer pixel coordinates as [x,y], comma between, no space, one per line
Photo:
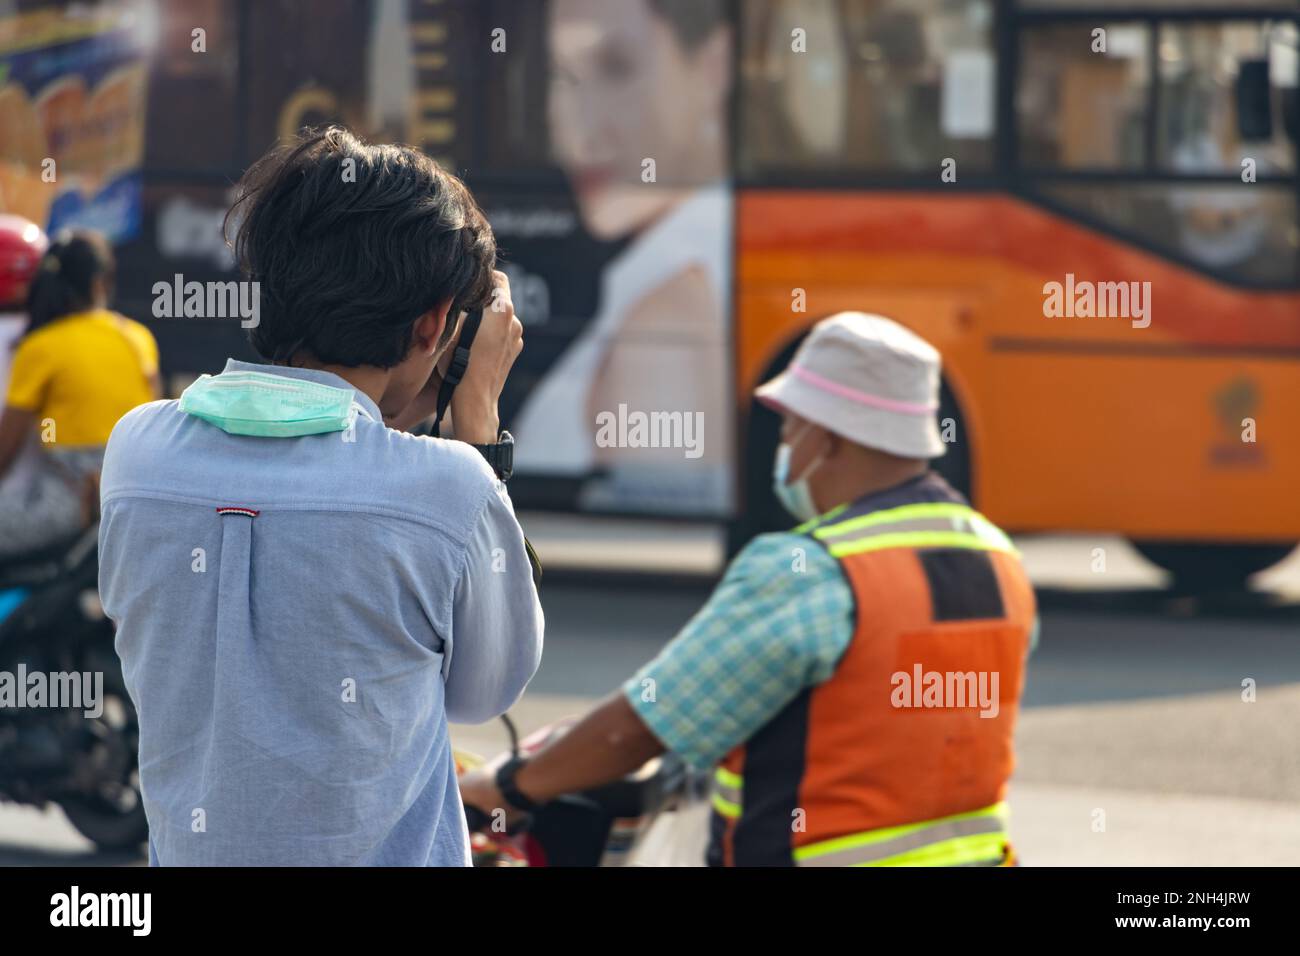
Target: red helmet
[22,243]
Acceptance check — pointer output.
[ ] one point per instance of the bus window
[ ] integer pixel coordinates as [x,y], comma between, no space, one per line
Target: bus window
[859,86]
[1194,181]
[1200,67]
[1081,103]
[1244,233]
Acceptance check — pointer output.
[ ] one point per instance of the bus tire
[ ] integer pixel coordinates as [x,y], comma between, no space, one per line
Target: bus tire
[955,464]
[760,512]
[1201,567]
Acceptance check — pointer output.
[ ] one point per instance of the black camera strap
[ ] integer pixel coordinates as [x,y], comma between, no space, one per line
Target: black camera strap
[455,372]
[459,362]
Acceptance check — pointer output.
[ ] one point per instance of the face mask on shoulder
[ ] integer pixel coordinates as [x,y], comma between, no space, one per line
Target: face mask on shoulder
[269,406]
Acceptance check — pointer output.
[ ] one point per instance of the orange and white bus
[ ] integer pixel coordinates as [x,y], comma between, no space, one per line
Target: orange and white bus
[952,164]
[1090,207]
[1151,144]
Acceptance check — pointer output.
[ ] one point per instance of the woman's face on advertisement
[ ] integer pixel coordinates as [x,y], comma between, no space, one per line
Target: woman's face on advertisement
[624,89]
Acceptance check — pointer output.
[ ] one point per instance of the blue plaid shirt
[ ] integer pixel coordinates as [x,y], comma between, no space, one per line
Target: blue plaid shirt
[779,622]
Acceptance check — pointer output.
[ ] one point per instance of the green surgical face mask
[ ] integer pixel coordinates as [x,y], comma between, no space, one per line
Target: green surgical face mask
[269,406]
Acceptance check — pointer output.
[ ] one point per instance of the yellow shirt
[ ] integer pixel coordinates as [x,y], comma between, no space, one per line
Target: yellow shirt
[83,371]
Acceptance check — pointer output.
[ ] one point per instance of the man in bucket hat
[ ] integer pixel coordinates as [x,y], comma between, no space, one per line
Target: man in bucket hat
[853,683]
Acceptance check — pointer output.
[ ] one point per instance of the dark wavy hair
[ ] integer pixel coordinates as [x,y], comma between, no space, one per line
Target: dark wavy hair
[349,255]
[64,283]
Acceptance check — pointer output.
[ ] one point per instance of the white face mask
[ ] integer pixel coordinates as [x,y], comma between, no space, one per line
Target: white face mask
[795,497]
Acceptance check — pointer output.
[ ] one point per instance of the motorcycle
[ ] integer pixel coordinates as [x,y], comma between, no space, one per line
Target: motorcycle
[51,622]
[632,821]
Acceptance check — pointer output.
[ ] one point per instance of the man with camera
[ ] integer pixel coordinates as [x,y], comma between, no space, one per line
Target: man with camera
[305,593]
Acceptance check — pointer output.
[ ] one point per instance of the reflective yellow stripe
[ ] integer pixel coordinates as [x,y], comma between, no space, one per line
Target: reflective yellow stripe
[727,790]
[962,525]
[916,539]
[987,848]
[963,838]
[725,807]
[903,513]
[998,811]
[809,525]
[727,778]
[915,526]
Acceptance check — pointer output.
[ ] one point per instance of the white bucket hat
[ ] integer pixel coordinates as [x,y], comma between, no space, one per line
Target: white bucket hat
[867,379]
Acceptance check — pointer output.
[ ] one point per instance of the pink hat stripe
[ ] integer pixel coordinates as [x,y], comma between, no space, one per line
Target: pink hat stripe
[853,395]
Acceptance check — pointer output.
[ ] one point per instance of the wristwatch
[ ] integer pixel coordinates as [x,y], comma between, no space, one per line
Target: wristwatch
[501,455]
[505,781]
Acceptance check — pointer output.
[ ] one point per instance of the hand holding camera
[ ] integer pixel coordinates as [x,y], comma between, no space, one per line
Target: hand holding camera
[497,344]
[497,339]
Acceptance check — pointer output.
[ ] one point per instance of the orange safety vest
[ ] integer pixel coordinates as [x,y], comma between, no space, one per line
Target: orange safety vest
[902,757]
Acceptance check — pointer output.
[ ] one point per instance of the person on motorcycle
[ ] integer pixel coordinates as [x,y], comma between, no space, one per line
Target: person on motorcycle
[76,369]
[853,683]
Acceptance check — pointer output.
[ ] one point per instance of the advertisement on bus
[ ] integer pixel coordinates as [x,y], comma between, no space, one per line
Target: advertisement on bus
[72,118]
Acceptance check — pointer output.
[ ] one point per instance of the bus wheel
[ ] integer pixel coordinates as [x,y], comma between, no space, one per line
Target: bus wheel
[954,466]
[762,512]
[1201,568]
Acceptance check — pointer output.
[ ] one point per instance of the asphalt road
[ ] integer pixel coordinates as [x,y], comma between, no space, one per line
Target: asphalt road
[1134,745]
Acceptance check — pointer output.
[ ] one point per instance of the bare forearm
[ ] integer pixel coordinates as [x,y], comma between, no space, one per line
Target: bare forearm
[477,425]
[609,743]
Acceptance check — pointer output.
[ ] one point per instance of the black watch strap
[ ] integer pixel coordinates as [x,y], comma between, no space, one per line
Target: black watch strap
[500,455]
[505,780]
